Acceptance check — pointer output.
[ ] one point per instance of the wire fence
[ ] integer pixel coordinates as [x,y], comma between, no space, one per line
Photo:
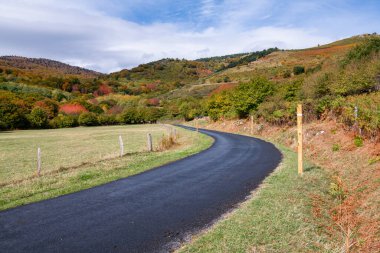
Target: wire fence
[65,148]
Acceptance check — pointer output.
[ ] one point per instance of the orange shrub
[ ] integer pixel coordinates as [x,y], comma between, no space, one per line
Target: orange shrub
[72,109]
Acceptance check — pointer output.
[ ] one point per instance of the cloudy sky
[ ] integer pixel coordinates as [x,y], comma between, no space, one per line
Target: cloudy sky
[109,35]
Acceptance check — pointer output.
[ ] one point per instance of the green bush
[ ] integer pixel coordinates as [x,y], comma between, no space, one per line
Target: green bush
[64,121]
[227,79]
[38,118]
[297,70]
[27,89]
[322,86]
[336,190]
[363,50]
[152,114]
[358,141]
[277,111]
[368,119]
[88,119]
[129,116]
[335,147]
[287,74]
[107,120]
[219,105]
[246,97]
[292,90]
[189,109]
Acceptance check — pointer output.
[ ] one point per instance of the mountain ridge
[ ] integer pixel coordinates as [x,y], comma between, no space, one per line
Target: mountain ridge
[29,64]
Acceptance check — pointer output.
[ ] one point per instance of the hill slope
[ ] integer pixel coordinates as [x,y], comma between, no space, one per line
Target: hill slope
[43,66]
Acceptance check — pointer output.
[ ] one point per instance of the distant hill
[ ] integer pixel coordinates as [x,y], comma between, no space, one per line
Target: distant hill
[160,76]
[44,67]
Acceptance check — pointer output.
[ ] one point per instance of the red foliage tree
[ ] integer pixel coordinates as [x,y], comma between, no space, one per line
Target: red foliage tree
[72,109]
[75,88]
[225,86]
[49,106]
[153,101]
[104,89]
[116,109]
[151,86]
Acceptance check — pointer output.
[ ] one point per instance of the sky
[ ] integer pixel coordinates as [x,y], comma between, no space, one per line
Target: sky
[110,35]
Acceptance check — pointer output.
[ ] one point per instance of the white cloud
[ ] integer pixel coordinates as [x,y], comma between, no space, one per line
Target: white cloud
[84,33]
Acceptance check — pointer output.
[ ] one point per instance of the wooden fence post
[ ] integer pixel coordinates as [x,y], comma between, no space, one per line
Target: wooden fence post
[149,142]
[300,141]
[38,161]
[251,125]
[356,126]
[197,124]
[121,146]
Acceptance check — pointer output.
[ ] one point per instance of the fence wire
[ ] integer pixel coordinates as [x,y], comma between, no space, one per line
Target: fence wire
[70,148]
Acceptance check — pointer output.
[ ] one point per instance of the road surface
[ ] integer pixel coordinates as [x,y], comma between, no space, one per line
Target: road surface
[150,212]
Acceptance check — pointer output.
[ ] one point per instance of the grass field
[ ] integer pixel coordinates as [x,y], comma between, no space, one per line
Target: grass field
[68,147]
[79,158]
[277,218]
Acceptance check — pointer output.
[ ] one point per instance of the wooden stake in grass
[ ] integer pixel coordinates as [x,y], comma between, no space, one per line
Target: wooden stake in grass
[299,134]
[149,142]
[121,146]
[38,161]
[356,125]
[197,124]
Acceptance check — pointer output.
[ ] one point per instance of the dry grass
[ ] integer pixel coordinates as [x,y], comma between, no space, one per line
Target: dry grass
[274,66]
[350,218]
[278,217]
[167,142]
[325,51]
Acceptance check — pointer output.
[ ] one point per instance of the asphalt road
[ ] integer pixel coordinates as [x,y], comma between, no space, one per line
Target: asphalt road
[150,212]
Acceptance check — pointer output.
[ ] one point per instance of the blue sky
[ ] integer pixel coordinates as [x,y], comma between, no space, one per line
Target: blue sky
[108,35]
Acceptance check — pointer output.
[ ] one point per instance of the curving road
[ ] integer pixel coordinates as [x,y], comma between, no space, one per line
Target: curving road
[150,212]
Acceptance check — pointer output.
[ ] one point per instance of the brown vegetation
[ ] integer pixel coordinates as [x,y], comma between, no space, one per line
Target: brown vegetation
[350,215]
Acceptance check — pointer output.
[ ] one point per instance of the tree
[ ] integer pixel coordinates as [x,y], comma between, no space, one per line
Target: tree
[128,116]
[38,118]
[106,119]
[13,111]
[190,108]
[246,97]
[219,104]
[62,121]
[88,119]
[50,106]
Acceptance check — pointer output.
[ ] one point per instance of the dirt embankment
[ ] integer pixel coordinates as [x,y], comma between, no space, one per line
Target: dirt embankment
[351,213]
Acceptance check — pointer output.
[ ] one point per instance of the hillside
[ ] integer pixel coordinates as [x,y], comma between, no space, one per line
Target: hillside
[279,64]
[174,88]
[44,67]
[274,64]
[160,76]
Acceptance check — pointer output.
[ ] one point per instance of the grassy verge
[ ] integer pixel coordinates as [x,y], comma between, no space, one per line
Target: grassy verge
[278,217]
[96,173]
